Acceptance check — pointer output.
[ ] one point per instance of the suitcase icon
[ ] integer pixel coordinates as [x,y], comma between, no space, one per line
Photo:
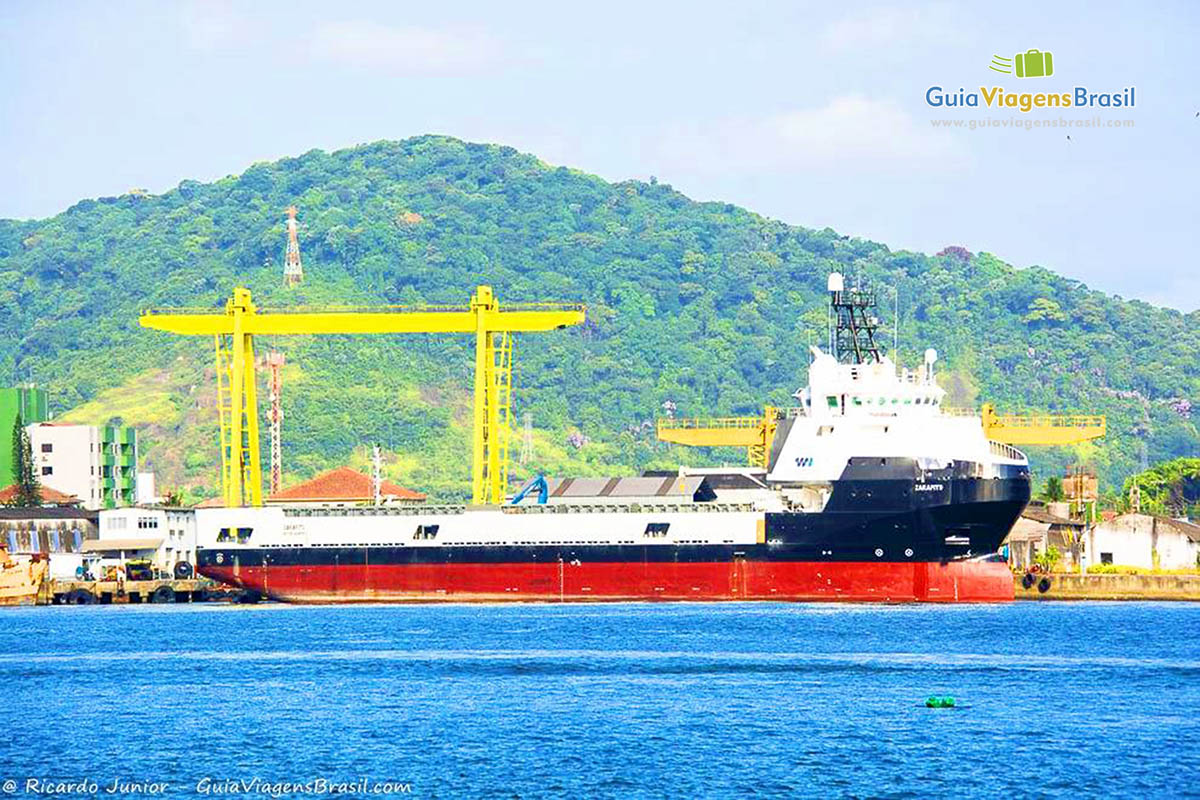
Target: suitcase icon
[1034,64]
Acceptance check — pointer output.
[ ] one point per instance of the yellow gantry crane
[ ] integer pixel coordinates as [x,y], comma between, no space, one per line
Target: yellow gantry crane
[1042,429]
[756,433]
[235,327]
[753,433]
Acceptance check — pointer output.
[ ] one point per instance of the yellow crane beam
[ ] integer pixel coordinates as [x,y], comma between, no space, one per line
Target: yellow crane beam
[235,327]
[1042,429]
[753,433]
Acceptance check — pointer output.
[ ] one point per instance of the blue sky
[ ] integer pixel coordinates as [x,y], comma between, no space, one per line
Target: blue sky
[812,113]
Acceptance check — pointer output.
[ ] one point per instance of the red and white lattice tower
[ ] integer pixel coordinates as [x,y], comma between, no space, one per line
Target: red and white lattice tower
[293,273]
[274,362]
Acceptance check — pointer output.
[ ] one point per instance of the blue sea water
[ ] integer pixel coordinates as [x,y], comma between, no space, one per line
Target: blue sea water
[580,701]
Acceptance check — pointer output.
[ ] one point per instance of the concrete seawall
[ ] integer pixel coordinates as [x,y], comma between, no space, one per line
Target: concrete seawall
[1115,587]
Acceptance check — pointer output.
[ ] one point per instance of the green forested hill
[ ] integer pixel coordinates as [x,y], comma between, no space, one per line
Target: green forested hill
[706,305]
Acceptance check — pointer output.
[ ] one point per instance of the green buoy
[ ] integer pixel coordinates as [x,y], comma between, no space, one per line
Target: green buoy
[933,701]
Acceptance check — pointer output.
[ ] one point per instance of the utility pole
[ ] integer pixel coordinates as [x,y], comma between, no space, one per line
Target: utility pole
[527,441]
[377,474]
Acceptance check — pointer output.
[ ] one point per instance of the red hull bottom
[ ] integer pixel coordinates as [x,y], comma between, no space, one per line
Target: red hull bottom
[952,582]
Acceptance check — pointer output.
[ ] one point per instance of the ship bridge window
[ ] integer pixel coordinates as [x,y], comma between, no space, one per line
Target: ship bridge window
[230,534]
[426,532]
[657,529]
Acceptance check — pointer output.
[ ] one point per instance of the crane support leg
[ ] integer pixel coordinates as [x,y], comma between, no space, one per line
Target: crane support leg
[492,403]
[493,379]
[499,410]
[251,457]
[483,339]
[237,410]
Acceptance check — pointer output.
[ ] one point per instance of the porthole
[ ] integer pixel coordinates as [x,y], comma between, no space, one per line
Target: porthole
[879,552]
[908,552]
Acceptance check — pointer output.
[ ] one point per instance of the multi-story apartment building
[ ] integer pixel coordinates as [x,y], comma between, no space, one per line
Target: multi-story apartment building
[96,463]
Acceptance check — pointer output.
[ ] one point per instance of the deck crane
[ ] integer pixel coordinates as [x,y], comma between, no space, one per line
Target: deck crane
[753,433]
[1042,429]
[235,327]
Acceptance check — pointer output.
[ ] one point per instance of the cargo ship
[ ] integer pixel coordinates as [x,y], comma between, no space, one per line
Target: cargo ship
[872,492]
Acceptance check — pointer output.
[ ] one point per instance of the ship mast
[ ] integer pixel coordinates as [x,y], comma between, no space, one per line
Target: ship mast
[852,325]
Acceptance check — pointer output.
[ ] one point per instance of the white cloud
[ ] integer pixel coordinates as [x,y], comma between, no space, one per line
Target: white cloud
[851,133]
[881,27]
[405,49]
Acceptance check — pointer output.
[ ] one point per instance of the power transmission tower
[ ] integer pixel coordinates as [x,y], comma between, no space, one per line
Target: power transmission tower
[293,273]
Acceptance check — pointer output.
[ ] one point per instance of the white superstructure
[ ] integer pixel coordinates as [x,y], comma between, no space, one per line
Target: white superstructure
[877,410]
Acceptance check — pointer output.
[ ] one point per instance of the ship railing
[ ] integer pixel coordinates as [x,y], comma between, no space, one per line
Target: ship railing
[677,423]
[549,508]
[1049,420]
[374,511]
[629,508]
[1005,450]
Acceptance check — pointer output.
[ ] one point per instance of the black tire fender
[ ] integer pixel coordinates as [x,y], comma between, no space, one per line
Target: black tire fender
[81,597]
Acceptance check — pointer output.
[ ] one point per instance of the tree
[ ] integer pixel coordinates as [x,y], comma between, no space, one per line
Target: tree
[29,493]
[1043,309]
[1052,491]
[1049,559]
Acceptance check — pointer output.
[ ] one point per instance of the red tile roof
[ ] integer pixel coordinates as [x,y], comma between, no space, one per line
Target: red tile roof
[342,485]
[49,495]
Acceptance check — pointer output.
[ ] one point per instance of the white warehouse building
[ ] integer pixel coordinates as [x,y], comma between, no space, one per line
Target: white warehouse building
[1146,541]
[164,534]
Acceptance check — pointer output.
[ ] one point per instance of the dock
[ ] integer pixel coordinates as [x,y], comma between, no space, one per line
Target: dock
[111,592]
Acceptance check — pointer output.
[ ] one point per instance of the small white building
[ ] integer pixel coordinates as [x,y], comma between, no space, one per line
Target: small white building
[146,490]
[1037,530]
[1146,541]
[165,535]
